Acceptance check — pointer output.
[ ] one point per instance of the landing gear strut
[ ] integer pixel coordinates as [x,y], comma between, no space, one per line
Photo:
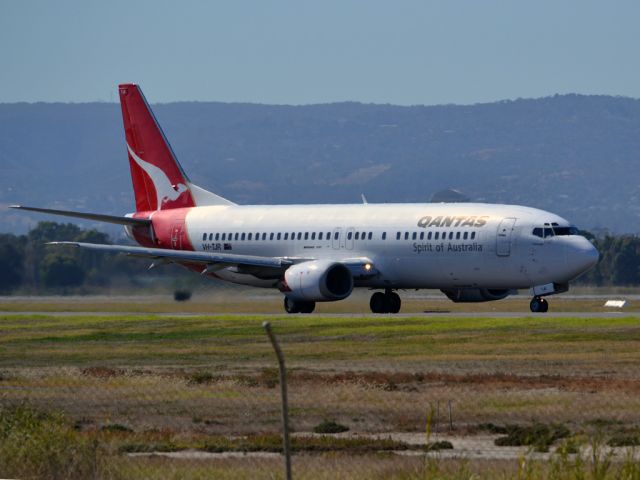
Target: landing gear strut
[298,306]
[539,305]
[387,302]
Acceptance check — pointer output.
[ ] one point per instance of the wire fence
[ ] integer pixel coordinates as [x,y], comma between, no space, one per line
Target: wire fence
[149,396]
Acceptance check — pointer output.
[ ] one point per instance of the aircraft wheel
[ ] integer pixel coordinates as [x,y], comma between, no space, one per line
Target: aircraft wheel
[307,307]
[291,306]
[394,302]
[378,303]
[538,305]
[545,305]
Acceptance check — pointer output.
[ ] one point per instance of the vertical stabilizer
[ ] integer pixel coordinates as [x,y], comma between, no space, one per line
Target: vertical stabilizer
[159,183]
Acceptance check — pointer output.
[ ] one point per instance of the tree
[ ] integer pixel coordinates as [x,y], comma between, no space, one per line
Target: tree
[11,262]
[626,262]
[61,270]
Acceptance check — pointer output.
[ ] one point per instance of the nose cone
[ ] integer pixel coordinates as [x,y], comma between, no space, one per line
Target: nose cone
[581,256]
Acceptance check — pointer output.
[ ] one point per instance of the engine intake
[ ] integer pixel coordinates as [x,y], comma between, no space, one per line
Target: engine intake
[469,295]
[318,281]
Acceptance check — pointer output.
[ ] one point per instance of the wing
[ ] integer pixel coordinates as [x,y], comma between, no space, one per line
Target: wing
[264,267]
[209,261]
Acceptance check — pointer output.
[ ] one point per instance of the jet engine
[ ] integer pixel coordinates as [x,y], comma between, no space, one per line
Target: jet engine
[468,295]
[318,281]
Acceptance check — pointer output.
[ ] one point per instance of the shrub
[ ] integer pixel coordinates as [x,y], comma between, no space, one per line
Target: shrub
[539,435]
[329,426]
[38,445]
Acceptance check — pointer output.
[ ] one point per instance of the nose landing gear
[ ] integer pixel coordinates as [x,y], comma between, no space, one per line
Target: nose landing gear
[387,302]
[539,305]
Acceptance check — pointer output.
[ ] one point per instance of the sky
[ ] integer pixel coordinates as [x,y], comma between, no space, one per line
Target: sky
[305,52]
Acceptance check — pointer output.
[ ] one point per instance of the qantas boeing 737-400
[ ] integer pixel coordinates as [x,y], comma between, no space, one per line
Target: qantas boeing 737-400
[472,252]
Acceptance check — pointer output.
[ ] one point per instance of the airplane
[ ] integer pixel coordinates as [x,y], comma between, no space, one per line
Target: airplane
[472,252]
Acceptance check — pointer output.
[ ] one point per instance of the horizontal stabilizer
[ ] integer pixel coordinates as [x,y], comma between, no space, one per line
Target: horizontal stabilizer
[89,216]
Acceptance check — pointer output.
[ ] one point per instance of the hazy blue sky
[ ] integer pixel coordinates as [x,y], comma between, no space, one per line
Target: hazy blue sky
[297,52]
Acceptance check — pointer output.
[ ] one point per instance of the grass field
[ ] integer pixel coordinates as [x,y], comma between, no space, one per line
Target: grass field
[140,382]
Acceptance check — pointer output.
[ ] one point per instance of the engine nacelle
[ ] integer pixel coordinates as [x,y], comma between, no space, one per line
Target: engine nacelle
[318,281]
[468,295]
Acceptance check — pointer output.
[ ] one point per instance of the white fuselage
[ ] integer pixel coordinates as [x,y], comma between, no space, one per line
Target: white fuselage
[459,245]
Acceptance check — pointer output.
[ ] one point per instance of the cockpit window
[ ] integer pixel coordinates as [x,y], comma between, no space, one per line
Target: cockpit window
[554,229]
[565,230]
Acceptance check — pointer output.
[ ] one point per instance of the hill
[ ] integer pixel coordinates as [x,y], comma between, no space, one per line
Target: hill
[575,155]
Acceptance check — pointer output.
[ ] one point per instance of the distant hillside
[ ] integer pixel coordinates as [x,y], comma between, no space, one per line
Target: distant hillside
[578,156]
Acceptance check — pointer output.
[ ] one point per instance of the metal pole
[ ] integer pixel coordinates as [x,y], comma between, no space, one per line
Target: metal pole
[285,402]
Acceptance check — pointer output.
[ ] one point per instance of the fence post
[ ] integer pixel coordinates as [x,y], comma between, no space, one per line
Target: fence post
[285,402]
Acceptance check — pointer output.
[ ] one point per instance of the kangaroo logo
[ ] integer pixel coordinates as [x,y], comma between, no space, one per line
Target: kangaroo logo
[165,192]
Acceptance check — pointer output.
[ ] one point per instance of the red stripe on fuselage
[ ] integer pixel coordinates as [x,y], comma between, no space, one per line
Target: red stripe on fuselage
[169,229]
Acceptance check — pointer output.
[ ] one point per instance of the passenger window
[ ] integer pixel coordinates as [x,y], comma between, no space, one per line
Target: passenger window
[299,235]
[421,235]
[320,236]
[306,235]
[458,236]
[398,236]
[242,237]
[335,235]
[224,236]
[257,236]
[204,237]
[363,235]
[465,235]
[264,236]
[429,236]
[271,236]
[217,237]
[406,235]
[370,235]
[384,235]
[444,235]
[473,235]
[279,236]
[349,235]
[248,237]
[357,235]
[437,235]
[237,236]
[414,236]
[313,235]
[286,235]
[210,236]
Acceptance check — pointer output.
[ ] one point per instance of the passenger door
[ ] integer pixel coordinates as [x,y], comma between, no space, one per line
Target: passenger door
[177,232]
[503,239]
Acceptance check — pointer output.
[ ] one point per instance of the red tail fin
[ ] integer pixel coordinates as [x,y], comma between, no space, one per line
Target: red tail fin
[158,180]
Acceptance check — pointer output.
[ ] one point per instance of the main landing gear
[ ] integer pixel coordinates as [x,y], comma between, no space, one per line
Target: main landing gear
[539,305]
[387,302]
[298,306]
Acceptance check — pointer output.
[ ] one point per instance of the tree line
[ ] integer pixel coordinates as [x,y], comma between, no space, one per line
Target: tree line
[29,265]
